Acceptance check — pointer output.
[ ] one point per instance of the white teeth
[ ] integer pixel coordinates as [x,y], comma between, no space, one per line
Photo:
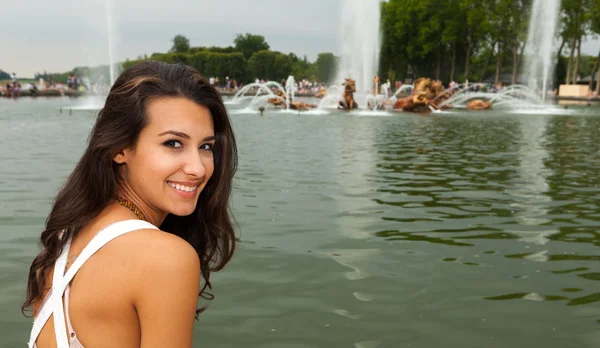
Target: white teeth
[183,188]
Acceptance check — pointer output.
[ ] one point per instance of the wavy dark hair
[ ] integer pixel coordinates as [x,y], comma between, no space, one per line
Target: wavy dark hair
[93,183]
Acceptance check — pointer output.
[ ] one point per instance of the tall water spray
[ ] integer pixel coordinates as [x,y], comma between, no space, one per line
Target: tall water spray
[111,44]
[100,40]
[540,44]
[360,42]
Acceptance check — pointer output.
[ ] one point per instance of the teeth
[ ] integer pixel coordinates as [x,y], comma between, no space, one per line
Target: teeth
[183,188]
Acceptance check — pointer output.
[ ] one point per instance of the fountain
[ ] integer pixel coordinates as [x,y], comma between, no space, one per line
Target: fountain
[404,91]
[538,68]
[376,100]
[539,47]
[514,96]
[538,72]
[111,44]
[269,94]
[359,61]
[290,90]
[262,93]
[331,98]
[360,46]
[101,86]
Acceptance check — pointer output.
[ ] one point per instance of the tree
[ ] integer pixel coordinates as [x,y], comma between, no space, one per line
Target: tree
[282,66]
[262,65]
[476,27]
[302,68]
[453,25]
[325,67]
[595,28]
[575,20]
[521,10]
[399,50]
[181,44]
[249,44]
[501,21]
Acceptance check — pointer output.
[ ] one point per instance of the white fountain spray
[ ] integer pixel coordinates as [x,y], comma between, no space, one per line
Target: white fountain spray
[540,44]
[360,42]
[290,90]
[101,39]
[111,35]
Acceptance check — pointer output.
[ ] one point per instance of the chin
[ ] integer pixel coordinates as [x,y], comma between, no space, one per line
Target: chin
[182,208]
[183,211]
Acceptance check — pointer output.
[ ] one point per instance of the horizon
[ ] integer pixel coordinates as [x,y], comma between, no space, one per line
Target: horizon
[68,35]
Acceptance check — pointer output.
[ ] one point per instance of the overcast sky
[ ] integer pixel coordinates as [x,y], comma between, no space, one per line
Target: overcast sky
[58,35]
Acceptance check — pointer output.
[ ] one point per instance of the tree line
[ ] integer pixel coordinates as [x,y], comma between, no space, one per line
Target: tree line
[450,40]
[248,59]
[476,40]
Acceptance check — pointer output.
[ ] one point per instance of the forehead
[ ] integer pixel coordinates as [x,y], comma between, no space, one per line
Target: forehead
[179,114]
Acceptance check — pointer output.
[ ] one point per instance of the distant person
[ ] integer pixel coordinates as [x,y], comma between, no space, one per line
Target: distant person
[145,212]
[70,81]
[33,90]
[8,89]
[16,89]
[13,78]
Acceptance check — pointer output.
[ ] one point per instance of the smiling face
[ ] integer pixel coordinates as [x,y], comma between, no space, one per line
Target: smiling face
[172,160]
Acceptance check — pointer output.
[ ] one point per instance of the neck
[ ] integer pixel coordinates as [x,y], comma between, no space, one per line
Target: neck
[151,215]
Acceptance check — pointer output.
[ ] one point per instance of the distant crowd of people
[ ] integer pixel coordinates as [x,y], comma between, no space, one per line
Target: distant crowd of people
[13,88]
[228,85]
[74,83]
[303,86]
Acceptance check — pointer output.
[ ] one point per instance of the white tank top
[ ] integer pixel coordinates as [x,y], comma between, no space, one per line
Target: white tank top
[60,282]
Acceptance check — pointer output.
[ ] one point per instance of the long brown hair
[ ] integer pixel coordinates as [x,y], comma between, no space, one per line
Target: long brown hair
[93,183]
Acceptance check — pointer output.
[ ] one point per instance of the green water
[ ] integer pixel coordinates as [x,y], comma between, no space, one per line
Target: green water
[454,230]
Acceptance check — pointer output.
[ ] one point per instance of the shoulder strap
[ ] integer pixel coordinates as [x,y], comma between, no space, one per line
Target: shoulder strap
[60,280]
[56,303]
[106,235]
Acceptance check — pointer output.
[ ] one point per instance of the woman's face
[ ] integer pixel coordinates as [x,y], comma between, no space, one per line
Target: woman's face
[173,158]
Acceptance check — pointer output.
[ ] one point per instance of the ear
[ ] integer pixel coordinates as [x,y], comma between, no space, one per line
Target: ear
[120,157]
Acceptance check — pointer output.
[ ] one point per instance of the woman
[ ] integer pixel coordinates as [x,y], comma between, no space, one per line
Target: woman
[141,219]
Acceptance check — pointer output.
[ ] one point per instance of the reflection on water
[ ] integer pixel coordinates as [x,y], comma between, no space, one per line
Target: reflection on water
[359,231]
[457,183]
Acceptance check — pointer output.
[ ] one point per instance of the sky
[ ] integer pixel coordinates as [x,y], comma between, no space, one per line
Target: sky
[58,35]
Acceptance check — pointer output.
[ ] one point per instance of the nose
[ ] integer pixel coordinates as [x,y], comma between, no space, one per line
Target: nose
[194,165]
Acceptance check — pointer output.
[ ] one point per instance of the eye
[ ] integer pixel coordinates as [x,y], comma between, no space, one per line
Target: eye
[173,143]
[207,147]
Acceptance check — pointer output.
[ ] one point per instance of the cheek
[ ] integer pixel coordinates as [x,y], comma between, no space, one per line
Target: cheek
[156,165]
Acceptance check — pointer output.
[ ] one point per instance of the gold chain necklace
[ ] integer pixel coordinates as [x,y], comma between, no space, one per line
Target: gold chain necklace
[129,204]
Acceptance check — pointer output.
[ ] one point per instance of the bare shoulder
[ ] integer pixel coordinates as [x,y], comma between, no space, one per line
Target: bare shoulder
[151,249]
[163,276]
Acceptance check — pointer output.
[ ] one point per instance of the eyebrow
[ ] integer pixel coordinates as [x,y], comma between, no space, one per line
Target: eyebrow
[185,136]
